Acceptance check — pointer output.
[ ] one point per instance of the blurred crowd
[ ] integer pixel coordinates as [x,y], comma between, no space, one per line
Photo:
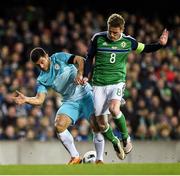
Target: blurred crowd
[152,95]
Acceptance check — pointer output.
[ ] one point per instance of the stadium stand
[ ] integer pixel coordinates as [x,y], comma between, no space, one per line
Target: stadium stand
[152,94]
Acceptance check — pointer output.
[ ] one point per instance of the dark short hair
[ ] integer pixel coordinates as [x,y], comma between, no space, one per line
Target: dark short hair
[36,53]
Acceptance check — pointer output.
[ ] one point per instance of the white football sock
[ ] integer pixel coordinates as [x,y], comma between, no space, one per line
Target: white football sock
[98,140]
[68,142]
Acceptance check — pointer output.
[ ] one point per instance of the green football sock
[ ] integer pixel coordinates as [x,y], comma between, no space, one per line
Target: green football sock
[120,122]
[108,134]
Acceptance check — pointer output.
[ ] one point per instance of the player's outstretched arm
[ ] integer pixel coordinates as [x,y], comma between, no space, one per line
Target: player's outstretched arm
[147,48]
[22,99]
[164,37]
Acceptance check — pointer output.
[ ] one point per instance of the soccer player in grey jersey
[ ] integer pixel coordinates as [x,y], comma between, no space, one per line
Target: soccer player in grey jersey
[110,50]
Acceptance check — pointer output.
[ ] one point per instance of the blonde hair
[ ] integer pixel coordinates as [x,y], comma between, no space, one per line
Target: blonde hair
[116,20]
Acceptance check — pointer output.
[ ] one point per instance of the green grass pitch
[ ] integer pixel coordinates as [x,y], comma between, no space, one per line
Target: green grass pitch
[92,169]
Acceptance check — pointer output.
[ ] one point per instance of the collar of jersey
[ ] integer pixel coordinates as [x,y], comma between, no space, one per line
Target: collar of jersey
[115,40]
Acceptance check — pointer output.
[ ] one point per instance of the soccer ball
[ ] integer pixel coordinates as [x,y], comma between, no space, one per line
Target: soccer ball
[89,157]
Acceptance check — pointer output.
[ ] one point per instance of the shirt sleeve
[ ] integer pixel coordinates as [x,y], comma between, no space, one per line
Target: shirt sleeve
[151,47]
[71,59]
[63,56]
[41,88]
[145,48]
[90,55]
[140,47]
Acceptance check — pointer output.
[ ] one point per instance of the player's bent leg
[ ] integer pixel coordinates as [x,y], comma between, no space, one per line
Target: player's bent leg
[120,122]
[62,122]
[108,134]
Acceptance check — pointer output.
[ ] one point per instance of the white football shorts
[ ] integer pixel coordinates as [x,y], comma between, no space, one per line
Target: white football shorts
[103,94]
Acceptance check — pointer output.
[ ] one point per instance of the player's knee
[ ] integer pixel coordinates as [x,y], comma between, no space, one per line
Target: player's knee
[62,122]
[114,110]
[59,126]
[102,127]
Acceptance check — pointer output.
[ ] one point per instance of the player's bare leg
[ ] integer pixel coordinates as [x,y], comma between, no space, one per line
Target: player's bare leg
[62,122]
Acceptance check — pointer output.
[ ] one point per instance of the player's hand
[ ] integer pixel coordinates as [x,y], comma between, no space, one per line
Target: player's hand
[164,37]
[85,80]
[79,79]
[20,98]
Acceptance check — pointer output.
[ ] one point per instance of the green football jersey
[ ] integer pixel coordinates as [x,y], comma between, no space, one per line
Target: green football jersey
[111,58]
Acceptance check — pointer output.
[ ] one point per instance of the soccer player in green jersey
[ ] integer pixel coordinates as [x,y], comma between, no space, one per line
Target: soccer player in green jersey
[110,50]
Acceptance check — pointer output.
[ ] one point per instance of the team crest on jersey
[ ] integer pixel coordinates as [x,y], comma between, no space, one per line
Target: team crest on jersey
[56,66]
[123,44]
